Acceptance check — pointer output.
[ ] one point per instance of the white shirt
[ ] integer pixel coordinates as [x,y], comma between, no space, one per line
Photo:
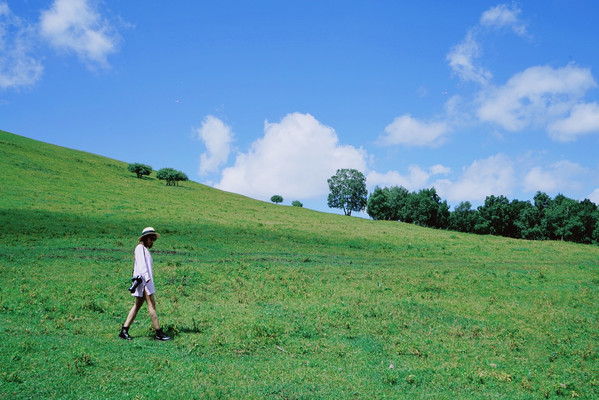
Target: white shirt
[143,268]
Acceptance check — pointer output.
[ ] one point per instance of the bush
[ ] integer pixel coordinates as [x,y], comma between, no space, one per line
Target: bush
[297,203]
[140,169]
[171,176]
[276,199]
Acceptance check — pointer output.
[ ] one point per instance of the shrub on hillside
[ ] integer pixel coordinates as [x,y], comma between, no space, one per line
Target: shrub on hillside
[171,176]
[140,169]
[276,199]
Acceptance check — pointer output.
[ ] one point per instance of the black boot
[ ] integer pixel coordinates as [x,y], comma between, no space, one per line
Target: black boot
[161,336]
[125,333]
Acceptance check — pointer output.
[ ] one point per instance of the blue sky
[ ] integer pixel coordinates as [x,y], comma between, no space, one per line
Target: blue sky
[272,97]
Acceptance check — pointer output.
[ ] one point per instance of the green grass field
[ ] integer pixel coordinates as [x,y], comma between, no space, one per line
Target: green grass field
[272,302]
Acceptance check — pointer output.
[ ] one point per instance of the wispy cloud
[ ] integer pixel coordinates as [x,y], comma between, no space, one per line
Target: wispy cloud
[561,175]
[217,137]
[416,178]
[18,65]
[583,120]
[537,97]
[489,176]
[463,61]
[68,26]
[504,16]
[75,26]
[408,131]
[463,56]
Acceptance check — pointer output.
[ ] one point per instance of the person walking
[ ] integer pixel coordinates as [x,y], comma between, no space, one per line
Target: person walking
[144,292]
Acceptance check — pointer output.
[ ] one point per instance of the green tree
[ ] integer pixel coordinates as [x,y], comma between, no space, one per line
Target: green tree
[171,176]
[529,223]
[541,201]
[493,216]
[276,199]
[515,210]
[596,232]
[378,206]
[348,191]
[387,203]
[588,214]
[570,220]
[463,218]
[429,210]
[139,169]
[563,219]
[297,203]
[425,208]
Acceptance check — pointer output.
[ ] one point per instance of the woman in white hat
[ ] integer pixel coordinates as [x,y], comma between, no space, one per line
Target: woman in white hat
[145,289]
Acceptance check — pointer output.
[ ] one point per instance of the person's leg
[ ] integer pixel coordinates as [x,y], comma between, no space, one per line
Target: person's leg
[124,334]
[152,309]
[139,301]
[154,316]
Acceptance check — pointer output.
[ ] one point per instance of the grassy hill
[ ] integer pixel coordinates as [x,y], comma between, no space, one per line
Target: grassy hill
[274,302]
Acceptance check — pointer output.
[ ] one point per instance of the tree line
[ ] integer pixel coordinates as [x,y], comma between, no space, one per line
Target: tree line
[545,218]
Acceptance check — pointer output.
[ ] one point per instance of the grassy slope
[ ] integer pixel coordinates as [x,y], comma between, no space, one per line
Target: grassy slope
[270,301]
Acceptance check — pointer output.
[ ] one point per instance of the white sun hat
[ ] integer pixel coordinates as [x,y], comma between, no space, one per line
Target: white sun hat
[148,231]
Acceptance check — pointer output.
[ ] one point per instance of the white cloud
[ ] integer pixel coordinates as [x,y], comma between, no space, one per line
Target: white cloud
[502,16]
[18,68]
[461,60]
[294,159]
[535,97]
[583,119]
[74,25]
[538,179]
[439,170]
[417,178]
[491,176]
[462,57]
[408,131]
[594,196]
[217,137]
[560,176]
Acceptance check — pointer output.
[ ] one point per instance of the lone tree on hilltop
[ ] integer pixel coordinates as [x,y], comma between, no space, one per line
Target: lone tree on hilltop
[276,199]
[348,191]
[140,169]
[171,176]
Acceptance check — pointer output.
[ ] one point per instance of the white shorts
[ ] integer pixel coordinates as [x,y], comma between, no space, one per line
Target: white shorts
[147,286]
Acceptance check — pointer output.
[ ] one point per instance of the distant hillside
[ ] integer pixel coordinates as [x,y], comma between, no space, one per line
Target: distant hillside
[44,178]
